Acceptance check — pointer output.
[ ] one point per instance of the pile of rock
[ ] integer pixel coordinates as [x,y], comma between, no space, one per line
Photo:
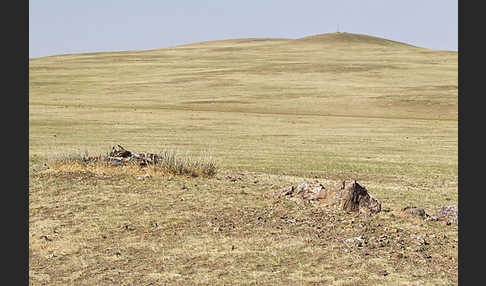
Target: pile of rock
[349,197]
[121,156]
[356,198]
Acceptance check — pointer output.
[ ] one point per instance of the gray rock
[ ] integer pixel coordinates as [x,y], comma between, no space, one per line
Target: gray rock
[448,214]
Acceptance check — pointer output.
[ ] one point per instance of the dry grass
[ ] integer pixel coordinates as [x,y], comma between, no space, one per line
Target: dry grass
[324,106]
[272,112]
[169,163]
[113,229]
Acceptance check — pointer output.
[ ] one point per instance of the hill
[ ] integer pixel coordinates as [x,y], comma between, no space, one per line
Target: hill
[271,113]
[326,74]
[219,94]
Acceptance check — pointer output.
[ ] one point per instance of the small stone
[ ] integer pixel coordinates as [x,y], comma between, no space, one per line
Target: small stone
[448,214]
[358,241]
[383,272]
[415,211]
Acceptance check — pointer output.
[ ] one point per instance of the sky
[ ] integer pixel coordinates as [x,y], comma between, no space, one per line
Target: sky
[66,27]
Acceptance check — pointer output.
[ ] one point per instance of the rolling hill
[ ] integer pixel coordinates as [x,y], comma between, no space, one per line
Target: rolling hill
[232,96]
[338,74]
[271,113]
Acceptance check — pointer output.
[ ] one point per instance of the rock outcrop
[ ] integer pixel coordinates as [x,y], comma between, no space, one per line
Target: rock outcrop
[349,197]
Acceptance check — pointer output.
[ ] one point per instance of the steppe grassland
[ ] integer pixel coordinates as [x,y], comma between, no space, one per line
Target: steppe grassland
[332,107]
[324,106]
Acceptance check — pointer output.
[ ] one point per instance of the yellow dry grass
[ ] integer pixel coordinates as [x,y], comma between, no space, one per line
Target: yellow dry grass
[168,164]
[271,111]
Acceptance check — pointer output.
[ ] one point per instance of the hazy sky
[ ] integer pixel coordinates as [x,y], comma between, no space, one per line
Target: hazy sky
[64,27]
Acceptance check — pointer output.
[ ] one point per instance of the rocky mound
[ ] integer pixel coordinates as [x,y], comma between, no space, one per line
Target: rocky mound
[349,197]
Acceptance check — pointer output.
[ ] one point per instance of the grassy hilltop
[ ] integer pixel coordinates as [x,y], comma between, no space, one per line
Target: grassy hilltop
[272,112]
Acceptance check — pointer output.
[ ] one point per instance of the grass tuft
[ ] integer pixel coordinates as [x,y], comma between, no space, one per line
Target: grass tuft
[169,163]
[172,163]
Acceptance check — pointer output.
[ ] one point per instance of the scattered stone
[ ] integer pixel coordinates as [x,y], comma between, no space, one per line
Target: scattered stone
[357,241]
[447,214]
[232,179]
[383,272]
[421,240]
